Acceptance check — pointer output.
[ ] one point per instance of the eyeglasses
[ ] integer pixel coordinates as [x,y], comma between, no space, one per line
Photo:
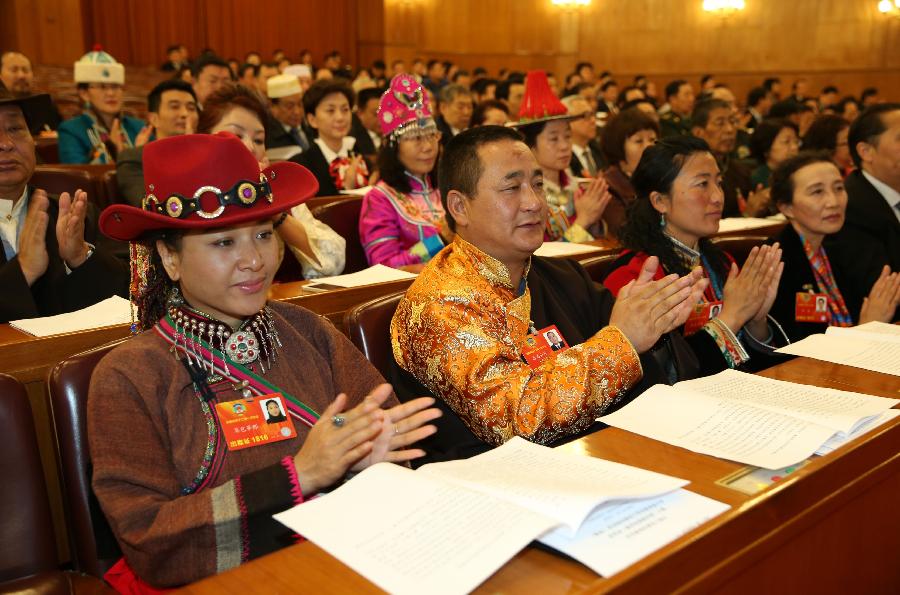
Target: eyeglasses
[427,138]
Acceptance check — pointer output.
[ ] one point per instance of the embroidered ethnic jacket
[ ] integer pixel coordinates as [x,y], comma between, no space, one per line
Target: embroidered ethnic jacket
[398,228]
[150,436]
[459,330]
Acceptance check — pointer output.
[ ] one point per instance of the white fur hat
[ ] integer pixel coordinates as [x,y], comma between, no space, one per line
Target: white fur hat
[99,67]
[283,85]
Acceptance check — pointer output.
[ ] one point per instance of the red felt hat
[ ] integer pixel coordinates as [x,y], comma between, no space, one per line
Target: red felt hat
[540,104]
[198,181]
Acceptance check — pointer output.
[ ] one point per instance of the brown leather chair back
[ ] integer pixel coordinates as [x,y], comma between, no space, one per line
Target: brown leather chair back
[27,541]
[47,150]
[738,246]
[368,326]
[56,180]
[111,189]
[598,266]
[94,548]
[343,217]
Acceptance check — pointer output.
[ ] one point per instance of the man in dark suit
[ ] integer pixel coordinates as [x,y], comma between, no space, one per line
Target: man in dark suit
[609,93]
[171,110]
[873,189]
[586,158]
[759,100]
[456,111]
[284,127]
[365,127]
[49,263]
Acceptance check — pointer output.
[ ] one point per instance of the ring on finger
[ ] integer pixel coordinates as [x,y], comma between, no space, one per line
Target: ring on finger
[338,421]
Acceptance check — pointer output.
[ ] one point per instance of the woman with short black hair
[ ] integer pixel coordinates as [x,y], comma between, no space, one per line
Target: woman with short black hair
[809,190]
[773,141]
[625,137]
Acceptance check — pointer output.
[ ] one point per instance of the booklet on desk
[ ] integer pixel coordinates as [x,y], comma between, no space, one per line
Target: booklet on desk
[112,310]
[873,346]
[447,527]
[374,274]
[551,249]
[747,418]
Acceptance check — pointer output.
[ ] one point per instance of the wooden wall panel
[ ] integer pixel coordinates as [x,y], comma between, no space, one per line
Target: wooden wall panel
[846,42]
[138,33]
[49,31]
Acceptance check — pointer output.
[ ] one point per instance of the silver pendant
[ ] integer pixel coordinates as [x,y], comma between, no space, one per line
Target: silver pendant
[242,347]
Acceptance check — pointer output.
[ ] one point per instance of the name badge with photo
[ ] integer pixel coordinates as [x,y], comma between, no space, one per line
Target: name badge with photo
[811,307]
[255,421]
[543,344]
[702,313]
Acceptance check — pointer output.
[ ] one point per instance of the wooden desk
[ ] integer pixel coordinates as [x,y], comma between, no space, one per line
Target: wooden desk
[833,526]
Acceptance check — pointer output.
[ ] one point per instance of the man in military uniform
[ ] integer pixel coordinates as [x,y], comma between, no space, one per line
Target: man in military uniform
[680,100]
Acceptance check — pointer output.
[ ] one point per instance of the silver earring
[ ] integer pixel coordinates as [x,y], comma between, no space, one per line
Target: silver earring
[174,299]
[662,220]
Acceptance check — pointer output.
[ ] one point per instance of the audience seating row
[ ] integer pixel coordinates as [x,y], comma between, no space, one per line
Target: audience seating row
[341,213]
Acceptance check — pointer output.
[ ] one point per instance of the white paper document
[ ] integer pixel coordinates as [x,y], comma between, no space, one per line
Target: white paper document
[730,224]
[875,331]
[746,418]
[860,349]
[111,311]
[448,526]
[549,249]
[374,274]
[842,438]
[619,534]
[563,486]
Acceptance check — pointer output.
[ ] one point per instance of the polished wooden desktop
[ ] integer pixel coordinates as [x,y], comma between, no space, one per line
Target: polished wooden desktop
[831,526]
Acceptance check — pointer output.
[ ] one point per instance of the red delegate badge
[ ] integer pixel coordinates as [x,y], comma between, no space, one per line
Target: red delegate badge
[543,344]
[255,421]
[811,307]
[702,313]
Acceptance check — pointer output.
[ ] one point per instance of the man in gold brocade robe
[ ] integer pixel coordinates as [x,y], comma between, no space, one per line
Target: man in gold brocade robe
[467,326]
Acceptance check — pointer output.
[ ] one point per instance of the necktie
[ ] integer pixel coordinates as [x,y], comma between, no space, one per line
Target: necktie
[591,164]
[298,138]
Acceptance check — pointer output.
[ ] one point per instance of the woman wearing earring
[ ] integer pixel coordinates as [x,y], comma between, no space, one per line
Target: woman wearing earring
[320,251]
[809,190]
[678,206]
[98,134]
[402,219]
[184,466]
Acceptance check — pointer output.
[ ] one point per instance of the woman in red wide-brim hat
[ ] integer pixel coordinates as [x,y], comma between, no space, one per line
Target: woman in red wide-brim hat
[263,404]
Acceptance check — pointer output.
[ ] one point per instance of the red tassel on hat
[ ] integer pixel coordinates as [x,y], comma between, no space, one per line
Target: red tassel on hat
[539,101]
